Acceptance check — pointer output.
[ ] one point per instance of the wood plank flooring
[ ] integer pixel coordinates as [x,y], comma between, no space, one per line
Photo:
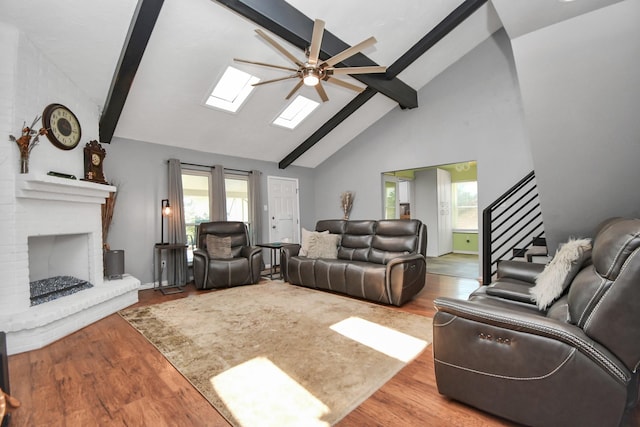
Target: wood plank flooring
[107,374]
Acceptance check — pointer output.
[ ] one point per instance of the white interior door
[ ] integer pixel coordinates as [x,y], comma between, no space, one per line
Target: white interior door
[284,207]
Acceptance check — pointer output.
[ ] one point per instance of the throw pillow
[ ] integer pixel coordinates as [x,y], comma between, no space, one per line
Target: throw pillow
[306,235]
[323,246]
[559,273]
[219,247]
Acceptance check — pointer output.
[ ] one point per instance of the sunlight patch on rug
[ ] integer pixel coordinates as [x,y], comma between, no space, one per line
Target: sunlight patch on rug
[282,355]
[256,390]
[388,341]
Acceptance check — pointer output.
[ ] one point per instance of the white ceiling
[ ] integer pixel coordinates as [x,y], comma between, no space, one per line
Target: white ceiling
[194,40]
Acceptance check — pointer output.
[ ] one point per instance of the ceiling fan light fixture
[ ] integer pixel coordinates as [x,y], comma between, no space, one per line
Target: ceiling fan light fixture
[313,70]
[310,77]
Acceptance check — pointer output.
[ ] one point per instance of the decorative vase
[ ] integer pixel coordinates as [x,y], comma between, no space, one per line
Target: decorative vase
[24,164]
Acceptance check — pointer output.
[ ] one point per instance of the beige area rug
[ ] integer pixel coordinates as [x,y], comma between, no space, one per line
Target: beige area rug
[281,355]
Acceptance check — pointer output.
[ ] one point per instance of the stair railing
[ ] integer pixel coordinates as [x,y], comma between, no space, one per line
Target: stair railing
[513,220]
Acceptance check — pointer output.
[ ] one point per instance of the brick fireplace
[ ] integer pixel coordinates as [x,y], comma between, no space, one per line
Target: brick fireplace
[58,231]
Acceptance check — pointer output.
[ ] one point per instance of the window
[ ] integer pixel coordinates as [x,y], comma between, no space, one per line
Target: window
[390,200]
[296,112]
[232,90]
[196,187]
[465,205]
[237,191]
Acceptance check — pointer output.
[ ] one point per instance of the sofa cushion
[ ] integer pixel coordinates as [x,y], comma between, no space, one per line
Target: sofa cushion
[333,226]
[356,240]
[367,280]
[385,248]
[306,236]
[510,289]
[219,247]
[323,246]
[300,271]
[331,274]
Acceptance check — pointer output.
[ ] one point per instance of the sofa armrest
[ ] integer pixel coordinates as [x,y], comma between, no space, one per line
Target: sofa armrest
[254,255]
[200,267]
[290,249]
[519,270]
[524,320]
[286,252]
[250,251]
[405,277]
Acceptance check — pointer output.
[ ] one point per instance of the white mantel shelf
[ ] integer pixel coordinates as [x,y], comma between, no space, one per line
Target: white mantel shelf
[45,187]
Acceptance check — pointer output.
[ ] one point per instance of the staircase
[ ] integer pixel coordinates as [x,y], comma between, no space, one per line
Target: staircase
[537,252]
[512,228]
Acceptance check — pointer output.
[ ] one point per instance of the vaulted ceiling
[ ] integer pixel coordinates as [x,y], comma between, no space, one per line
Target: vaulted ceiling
[161,100]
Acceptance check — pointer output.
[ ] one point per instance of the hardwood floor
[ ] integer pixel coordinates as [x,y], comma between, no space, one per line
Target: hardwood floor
[108,374]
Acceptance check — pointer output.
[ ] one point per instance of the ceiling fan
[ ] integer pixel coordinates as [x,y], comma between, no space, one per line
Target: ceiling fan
[313,71]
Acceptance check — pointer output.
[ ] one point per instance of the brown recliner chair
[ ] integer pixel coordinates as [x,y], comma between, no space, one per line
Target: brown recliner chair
[242,264]
[574,364]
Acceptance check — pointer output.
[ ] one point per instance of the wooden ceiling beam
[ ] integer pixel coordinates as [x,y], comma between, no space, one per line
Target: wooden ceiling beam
[443,28]
[288,23]
[144,19]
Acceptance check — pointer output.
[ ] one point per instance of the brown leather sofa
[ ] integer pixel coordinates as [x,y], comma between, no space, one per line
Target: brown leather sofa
[573,364]
[381,261]
[241,267]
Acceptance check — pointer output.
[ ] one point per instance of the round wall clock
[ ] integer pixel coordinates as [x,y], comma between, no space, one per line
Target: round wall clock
[62,125]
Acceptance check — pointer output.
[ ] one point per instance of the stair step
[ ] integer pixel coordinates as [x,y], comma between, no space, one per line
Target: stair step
[539,241]
[536,251]
[519,252]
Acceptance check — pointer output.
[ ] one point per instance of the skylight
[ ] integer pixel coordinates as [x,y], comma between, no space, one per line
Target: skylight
[296,112]
[232,90]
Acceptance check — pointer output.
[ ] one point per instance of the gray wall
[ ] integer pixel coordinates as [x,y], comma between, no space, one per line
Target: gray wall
[580,83]
[472,111]
[139,169]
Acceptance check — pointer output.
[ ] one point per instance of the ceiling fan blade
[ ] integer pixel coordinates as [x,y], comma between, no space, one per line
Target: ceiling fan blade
[316,41]
[357,70]
[344,84]
[295,89]
[350,51]
[275,80]
[279,47]
[265,64]
[321,92]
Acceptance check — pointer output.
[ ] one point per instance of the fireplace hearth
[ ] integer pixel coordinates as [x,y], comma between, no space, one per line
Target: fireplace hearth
[52,288]
[58,233]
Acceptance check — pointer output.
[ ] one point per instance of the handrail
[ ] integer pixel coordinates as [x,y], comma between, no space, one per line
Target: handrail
[521,221]
[512,190]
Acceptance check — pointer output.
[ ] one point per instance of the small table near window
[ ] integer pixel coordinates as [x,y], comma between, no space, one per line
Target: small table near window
[274,247]
[158,267]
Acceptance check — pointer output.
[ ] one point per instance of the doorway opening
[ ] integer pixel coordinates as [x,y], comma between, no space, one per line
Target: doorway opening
[445,199]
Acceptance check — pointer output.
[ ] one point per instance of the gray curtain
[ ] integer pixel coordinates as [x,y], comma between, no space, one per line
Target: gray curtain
[219,196]
[176,259]
[255,205]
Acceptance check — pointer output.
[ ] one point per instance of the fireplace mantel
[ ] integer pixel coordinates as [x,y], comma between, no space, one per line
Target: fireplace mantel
[52,209]
[45,187]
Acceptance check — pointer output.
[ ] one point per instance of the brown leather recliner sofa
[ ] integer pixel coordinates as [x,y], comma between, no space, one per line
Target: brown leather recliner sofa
[241,266]
[573,364]
[381,261]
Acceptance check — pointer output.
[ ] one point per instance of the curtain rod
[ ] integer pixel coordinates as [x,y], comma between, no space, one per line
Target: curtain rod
[206,166]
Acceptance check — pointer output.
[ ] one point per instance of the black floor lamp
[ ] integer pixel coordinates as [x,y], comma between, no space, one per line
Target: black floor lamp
[165,211]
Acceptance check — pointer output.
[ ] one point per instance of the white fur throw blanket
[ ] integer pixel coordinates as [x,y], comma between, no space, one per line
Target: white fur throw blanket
[559,273]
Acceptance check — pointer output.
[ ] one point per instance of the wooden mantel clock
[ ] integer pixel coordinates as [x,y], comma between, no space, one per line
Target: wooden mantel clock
[94,156]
